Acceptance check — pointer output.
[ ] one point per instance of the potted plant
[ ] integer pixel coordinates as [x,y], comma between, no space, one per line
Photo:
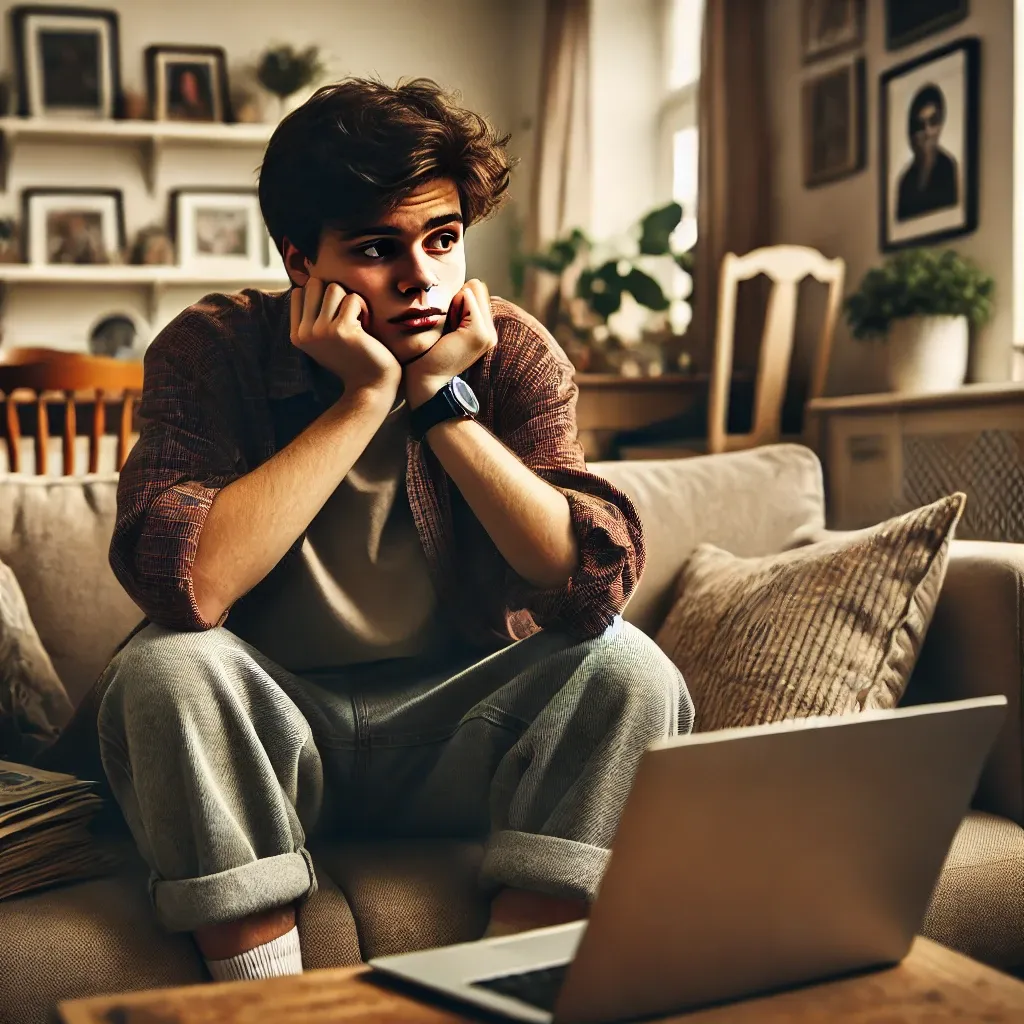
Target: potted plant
[924,303]
[286,73]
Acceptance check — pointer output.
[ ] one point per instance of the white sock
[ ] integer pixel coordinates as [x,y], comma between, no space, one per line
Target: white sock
[271,960]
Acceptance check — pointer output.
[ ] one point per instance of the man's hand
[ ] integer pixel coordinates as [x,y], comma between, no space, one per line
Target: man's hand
[327,324]
[472,335]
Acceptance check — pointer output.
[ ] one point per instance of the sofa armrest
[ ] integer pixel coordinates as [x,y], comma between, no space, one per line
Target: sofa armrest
[974,648]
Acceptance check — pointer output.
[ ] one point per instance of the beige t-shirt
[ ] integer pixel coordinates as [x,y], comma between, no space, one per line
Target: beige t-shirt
[361,590]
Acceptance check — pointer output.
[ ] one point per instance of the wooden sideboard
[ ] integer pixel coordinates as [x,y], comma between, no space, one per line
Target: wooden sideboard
[888,453]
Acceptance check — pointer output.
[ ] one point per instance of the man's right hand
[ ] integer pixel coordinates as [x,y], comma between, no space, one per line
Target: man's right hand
[327,324]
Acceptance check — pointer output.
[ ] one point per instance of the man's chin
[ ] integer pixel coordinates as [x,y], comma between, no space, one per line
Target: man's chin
[409,347]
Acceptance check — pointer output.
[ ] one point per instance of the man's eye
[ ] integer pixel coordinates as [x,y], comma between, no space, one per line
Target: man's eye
[376,250]
[451,238]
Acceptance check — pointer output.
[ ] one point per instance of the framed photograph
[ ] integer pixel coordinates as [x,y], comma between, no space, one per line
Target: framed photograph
[218,230]
[831,27]
[833,124]
[75,225]
[928,146]
[67,61]
[906,21]
[188,83]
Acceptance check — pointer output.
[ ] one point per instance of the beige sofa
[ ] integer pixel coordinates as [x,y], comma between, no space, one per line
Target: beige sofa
[99,936]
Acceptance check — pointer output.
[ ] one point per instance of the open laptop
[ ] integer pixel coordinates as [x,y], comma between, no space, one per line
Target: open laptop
[745,860]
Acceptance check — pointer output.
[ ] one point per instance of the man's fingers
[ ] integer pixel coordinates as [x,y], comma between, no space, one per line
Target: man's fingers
[295,304]
[312,296]
[352,310]
[334,295]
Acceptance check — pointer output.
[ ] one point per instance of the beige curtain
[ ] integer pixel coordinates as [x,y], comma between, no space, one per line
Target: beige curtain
[560,187]
[734,187]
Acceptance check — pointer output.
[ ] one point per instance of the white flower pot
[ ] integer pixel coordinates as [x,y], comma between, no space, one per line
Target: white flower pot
[927,353]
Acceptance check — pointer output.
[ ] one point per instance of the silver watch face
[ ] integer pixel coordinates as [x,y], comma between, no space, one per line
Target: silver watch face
[465,396]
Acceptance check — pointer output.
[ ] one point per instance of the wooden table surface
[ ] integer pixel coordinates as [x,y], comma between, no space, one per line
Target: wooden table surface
[932,985]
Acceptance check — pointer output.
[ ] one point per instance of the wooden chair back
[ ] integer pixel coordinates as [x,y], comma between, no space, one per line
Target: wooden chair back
[38,375]
[786,266]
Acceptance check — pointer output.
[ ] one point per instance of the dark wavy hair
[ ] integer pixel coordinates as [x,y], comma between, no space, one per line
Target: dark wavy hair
[357,148]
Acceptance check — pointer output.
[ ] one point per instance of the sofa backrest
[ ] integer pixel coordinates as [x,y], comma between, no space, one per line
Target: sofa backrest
[750,503]
[54,534]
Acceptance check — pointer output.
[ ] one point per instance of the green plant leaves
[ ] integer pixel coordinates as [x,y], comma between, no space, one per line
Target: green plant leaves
[919,282]
[656,229]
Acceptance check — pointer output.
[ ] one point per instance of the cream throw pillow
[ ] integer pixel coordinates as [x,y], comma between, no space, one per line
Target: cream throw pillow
[34,706]
[825,629]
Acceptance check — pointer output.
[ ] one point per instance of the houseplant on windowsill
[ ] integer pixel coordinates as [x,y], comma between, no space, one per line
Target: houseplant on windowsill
[924,303]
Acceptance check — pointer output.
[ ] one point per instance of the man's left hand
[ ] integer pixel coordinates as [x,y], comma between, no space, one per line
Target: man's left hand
[471,336]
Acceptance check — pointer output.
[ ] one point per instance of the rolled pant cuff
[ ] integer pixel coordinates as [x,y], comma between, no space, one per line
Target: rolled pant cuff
[183,905]
[548,864]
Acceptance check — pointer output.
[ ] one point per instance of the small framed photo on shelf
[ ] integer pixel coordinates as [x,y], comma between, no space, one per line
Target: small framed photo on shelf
[833,121]
[188,83]
[67,61]
[74,225]
[831,27]
[928,146]
[218,230]
[907,21]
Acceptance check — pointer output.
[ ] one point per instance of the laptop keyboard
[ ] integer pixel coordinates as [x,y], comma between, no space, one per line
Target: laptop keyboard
[538,988]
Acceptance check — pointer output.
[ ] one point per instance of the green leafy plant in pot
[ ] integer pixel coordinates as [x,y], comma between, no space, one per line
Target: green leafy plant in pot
[923,302]
[603,278]
[284,71]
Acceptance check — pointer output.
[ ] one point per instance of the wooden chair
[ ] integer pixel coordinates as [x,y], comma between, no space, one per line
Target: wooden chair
[38,375]
[786,266]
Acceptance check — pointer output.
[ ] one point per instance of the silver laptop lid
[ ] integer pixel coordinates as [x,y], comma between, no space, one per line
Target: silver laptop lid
[750,859]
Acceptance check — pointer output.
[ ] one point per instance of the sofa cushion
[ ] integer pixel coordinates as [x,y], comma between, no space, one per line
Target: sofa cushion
[750,503]
[825,629]
[408,895]
[33,704]
[978,903]
[54,534]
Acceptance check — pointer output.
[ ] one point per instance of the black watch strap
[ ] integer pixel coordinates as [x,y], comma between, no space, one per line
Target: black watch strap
[443,406]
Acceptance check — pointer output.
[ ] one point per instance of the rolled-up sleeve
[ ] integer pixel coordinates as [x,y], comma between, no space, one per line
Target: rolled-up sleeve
[536,419]
[184,455]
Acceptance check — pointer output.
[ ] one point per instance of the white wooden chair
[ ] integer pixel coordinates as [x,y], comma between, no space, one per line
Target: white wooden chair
[786,266]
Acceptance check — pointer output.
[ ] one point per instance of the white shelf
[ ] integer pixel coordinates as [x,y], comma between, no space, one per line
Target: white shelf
[150,137]
[154,278]
[66,129]
[21,273]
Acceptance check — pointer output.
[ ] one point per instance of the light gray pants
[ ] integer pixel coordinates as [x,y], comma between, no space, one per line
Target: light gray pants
[222,761]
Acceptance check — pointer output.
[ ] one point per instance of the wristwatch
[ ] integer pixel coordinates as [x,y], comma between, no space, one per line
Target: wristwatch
[455,400]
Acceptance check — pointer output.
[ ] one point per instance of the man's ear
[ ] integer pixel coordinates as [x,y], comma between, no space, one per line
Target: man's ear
[295,263]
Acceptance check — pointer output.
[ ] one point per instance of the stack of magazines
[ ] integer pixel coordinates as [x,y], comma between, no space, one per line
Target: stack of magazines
[44,833]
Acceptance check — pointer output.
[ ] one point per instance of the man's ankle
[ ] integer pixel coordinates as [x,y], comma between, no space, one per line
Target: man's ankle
[223,941]
[519,910]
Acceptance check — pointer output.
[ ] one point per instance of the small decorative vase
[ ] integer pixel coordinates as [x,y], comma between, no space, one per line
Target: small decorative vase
[927,353]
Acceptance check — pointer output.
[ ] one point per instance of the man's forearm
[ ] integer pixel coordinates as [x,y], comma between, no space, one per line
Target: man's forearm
[528,519]
[255,519]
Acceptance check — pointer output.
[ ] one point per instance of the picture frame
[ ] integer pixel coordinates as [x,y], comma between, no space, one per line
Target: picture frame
[73,225]
[907,21]
[67,61]
[834,120]
[929,110]
[831,27]
[188,83]
[220,230]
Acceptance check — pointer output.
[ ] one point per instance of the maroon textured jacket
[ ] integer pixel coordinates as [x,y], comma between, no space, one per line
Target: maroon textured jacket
[225,389]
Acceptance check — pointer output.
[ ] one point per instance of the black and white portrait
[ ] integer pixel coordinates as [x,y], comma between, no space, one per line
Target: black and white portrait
[928,148]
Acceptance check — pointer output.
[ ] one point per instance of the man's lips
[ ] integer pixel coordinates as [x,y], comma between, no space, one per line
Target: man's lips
[426,317]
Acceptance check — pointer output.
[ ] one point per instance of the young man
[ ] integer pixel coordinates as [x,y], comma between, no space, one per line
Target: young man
[345,505]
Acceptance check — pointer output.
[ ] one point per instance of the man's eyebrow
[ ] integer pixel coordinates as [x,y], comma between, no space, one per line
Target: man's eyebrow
[386,229]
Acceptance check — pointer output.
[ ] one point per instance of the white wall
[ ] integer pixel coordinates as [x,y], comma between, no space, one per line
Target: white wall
[842,220]
[487,49]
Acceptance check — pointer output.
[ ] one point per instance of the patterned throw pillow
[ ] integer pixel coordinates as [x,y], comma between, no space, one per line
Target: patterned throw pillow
[824,629]
[33,704]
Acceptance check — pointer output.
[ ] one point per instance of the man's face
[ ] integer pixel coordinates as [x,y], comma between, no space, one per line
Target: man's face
[924,138]
[407,267]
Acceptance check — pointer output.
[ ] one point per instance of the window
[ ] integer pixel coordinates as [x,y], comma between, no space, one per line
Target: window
[678,116]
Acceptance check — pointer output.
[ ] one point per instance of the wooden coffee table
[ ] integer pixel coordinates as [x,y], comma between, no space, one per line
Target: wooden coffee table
[933,984]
